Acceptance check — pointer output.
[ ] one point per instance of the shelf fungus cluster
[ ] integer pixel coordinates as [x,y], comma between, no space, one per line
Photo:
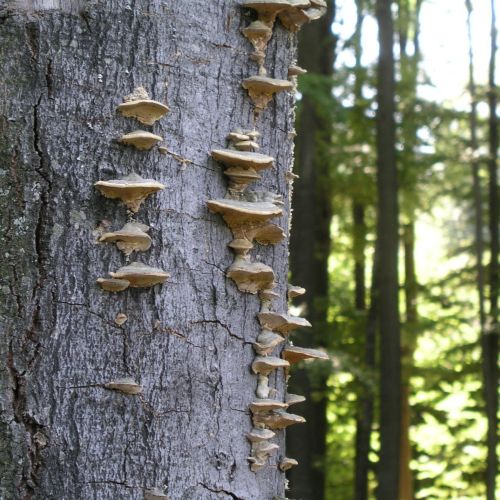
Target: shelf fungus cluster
[132,190]
[249,216]
[292,15]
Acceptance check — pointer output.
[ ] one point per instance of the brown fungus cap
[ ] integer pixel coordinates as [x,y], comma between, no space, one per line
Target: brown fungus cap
[132,237]
[113,285]
[295,354]
[287,463]
[238,213]
[282,323]
[262,88]
[295,291]
[243,159]
[277,419]
[131,190]
[140,275]
[258,435]
[293,399]
[251,277]
[295,70]
[126,385]
[266,342]
[155,494]
[138,105]
[270,234]
[140,139]
[264,365]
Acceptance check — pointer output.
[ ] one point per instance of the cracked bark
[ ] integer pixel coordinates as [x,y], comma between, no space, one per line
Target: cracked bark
[66,65]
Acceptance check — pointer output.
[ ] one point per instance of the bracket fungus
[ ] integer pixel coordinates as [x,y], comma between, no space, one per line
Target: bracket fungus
[287,463]
[295,70]
[140,275]
[140,139]
[113,284]
[243,166]
[126,385]
[277,419]
[132,190]
[266,405]
[293,399]
[295,291]
[261,89]
[260,453]
[258,435]
[139,106]
[132,237]
[121,319]
[263,366]
[266,342]
[282,323]
[250,277]
[295,354]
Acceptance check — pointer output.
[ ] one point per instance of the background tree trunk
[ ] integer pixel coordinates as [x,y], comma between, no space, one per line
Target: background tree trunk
[387,246]
[66,66]
[310,249]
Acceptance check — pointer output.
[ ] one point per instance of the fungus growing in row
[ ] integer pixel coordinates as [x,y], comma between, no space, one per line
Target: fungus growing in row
[113,285]
[261,89]
[282,323]
[132,237]
[295,354]
[277,419]
[140,275]
[263,366]
[295,70]
[139,105]
[131,190]
[140,139]
[126,385]
[287,463]
[293,18]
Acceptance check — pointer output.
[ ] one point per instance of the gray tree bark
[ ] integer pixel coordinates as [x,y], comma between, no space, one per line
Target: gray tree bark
[66,65]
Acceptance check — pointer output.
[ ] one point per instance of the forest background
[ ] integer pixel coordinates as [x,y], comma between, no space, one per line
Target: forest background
[446,150]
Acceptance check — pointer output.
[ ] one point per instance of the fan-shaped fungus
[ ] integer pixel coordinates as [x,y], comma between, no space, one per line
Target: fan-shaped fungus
[140,139]
[132,237]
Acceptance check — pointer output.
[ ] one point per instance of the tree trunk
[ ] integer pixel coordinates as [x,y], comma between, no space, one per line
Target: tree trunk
[387,242]
[408,348]
[490,339]
[310,249]
[63,435]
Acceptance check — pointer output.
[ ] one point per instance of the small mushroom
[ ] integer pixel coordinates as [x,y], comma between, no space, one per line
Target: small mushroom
[121,319]
[295,70]
[258,435]
[295,354]
[260,453]
[294,17]
[263,366]
[131,190]
[295,291]
[250,277]
[237,136]
[140,139]
[113,285]
[262,88]
[130,238]
[282,323]
[266,342]
[155,494]
[278,419]
[287,463]
[140,275]
[258,34]
[293,399]
[249,146]
[270,234]
[126,385]
[139,105]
